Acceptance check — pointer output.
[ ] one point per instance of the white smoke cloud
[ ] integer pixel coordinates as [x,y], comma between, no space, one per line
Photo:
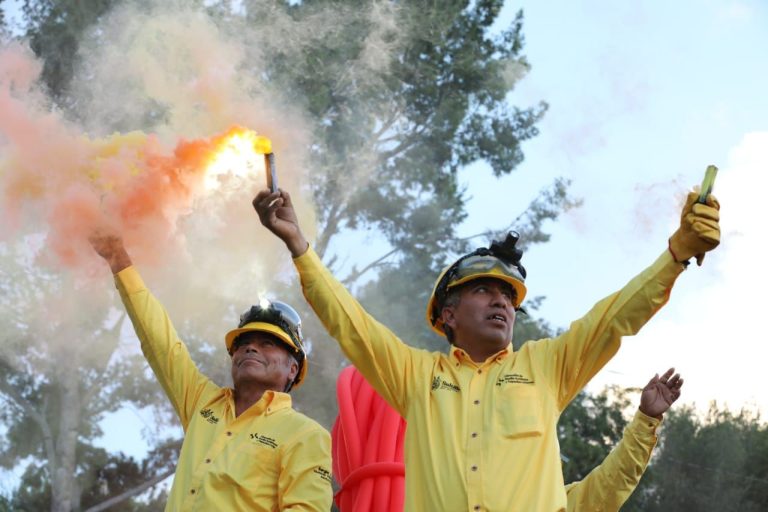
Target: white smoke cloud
[178,72]
[713,329]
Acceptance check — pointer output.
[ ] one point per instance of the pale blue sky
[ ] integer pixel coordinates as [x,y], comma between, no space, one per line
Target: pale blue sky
[643,95]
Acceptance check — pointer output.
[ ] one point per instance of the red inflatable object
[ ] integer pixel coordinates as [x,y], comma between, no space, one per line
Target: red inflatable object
[368,438]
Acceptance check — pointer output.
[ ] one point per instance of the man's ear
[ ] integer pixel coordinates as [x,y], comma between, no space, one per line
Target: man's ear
[448,316]
[294,369]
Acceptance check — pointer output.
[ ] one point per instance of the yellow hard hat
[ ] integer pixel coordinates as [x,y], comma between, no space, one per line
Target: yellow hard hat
[500,261]
[280,320]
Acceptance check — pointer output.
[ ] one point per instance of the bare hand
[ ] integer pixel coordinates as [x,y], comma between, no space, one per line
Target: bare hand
[276,213]
[109,246]
[660,393]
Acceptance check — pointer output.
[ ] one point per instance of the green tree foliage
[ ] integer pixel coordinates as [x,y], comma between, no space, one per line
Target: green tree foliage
[589,428]
[114,473]
[434,101]
[391,131]
[715,463]
[437,104]
[54,30]
[718,462]
[59,380]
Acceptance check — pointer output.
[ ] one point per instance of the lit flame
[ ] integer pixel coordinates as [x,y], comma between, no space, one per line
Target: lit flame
[239,153]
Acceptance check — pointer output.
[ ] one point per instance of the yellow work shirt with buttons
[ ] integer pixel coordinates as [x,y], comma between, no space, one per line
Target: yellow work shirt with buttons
[609,485]
[483,437]
[268,459]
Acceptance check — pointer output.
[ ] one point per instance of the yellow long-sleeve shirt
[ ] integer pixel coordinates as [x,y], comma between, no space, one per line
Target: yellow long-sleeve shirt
[482,437]
[268,459]
[609,485]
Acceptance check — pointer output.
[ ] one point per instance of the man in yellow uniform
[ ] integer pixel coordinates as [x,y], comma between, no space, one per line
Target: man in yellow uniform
[609,485]
[482,418]
[604,489]
[244,448]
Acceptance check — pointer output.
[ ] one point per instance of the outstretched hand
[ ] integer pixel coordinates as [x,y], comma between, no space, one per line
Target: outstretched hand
[277,214]
[109,246]
[660,393]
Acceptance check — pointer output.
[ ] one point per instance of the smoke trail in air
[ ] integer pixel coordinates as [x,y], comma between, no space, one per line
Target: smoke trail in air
[156,86]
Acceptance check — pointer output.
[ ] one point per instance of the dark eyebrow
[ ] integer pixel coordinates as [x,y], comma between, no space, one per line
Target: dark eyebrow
[486,282]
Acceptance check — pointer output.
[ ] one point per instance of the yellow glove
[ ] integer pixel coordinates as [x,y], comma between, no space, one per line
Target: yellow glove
[699,230]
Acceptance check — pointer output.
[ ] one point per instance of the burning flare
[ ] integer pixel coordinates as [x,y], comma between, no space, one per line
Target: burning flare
[130,182]
[59,183]
[239,152]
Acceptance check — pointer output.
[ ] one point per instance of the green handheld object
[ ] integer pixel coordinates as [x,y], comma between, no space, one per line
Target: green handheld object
[708,183]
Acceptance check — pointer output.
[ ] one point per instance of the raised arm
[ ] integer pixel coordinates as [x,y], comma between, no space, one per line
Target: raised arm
[578,354]
[385,361]
[166,353]
[611,483]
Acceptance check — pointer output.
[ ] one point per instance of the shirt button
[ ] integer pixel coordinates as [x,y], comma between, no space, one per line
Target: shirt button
[474,468]
[269,409]
[479,371]
[192,491]
[477,507]
[207,461]
[477,402]
[229,433]
[474,434]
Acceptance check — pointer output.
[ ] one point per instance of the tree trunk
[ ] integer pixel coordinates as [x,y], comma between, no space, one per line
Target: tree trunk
[63,479]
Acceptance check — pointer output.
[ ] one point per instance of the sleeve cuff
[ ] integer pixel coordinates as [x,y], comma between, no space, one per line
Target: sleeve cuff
[307,261]
[644,424]
[667,265]
[129,280]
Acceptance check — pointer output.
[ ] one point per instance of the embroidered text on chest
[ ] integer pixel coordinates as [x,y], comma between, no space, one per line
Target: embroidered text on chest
[512,378]
[265,440]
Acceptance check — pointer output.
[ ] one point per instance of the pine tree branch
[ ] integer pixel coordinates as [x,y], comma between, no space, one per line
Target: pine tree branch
[330,229]
[351,278]
[388,124]
[104,505]
[354,276]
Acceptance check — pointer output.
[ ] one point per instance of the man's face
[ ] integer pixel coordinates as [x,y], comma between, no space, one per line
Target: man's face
[485,313]
[259,358]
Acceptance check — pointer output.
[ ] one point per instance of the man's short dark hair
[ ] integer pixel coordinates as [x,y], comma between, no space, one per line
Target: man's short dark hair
[452,299]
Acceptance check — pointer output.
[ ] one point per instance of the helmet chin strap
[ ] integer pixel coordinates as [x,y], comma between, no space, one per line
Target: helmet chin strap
[292,380]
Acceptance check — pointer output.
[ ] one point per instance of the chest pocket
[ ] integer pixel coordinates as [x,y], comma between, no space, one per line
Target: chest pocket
[253,453]
[518,410]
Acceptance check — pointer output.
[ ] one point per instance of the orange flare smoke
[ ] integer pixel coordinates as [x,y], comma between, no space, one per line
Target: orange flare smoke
[129,183]
[54,180]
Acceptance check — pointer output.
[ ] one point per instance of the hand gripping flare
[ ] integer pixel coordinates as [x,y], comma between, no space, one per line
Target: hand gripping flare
[699,230]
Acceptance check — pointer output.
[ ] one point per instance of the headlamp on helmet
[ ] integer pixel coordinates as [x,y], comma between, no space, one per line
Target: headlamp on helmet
[499,261]
[280,320]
